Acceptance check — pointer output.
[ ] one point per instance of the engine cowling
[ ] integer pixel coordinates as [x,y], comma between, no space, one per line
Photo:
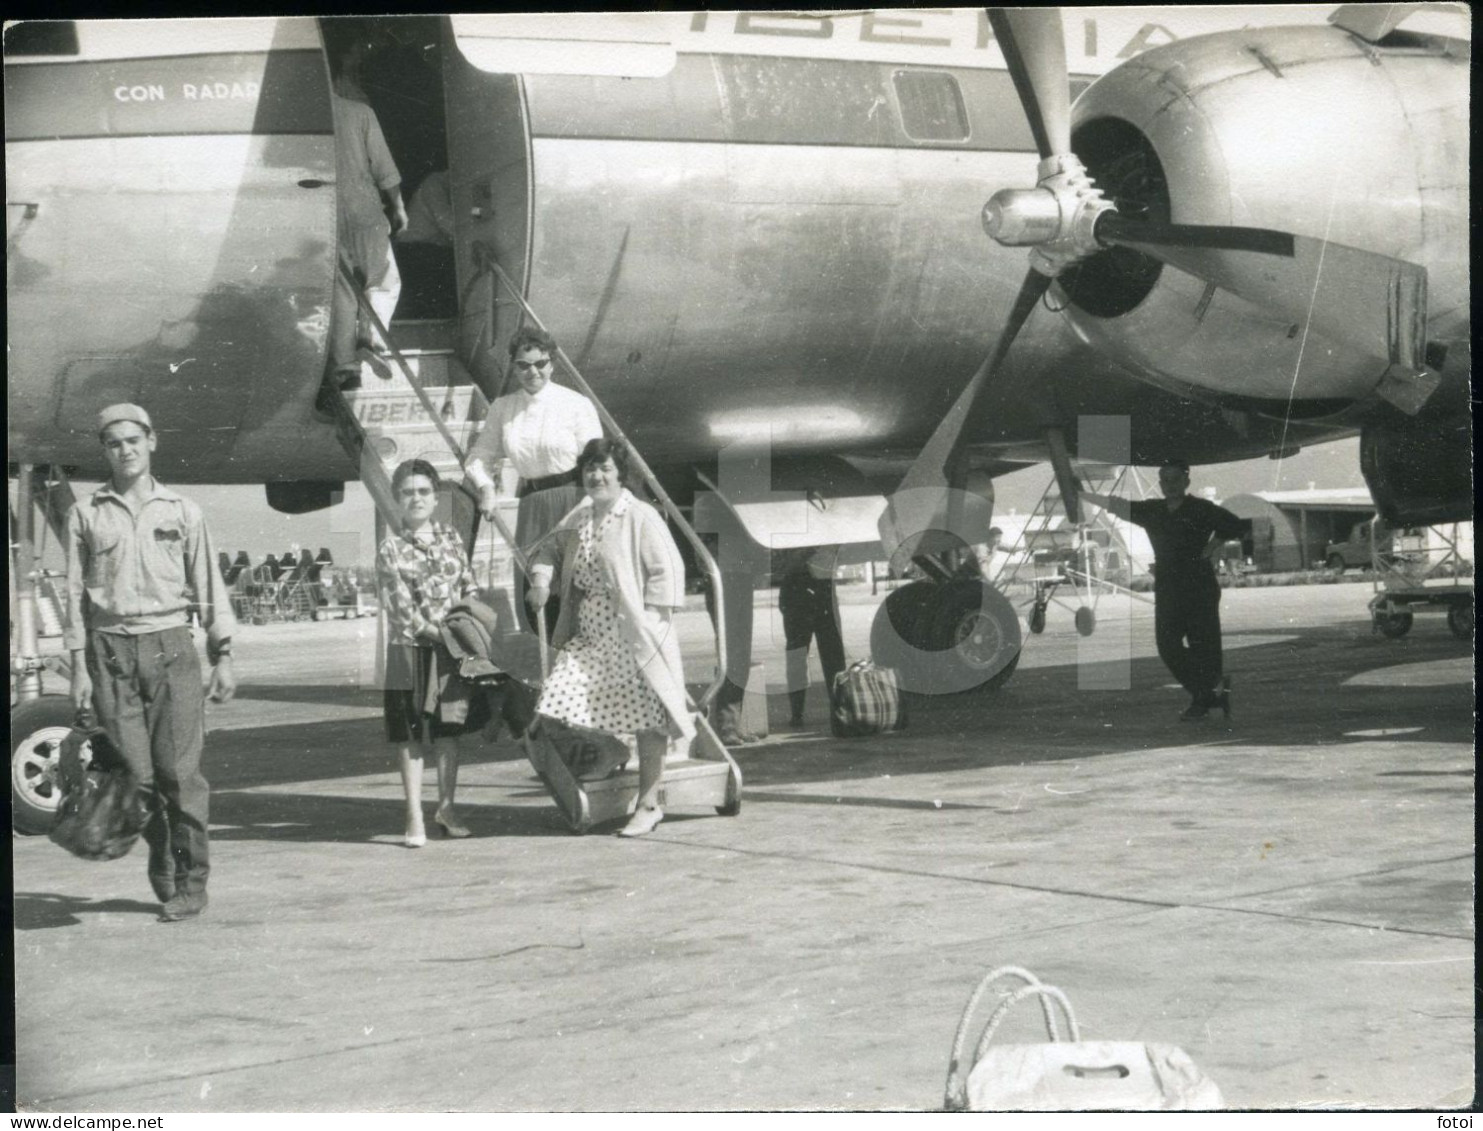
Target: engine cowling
[1420,468]
[1304,130]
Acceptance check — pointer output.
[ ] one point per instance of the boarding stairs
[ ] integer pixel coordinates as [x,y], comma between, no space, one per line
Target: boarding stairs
[430,408]
[1089,557]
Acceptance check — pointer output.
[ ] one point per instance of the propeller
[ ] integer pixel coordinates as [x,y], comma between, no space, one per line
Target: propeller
[1370,302]
[925,501]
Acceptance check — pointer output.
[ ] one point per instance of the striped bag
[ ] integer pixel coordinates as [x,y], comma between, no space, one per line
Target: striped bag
[866,700]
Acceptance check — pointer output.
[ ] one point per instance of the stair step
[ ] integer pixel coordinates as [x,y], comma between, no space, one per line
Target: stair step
[424,333]
[432,368]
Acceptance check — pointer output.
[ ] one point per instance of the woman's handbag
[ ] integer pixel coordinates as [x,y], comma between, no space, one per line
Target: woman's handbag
[865,699]
[1068,1074]
[101,813]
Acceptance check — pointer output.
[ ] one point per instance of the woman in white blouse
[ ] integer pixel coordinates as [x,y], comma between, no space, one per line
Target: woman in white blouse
[540,429]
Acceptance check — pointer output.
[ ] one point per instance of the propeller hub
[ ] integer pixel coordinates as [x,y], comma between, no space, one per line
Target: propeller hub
[1022,217]
[1058,218]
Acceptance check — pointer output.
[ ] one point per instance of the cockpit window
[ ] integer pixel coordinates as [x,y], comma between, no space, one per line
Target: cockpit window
[931,106]
[41,37]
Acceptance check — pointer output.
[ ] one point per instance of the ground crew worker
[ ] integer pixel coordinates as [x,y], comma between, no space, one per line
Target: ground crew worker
[1185,532]
[139,558]
[810,612]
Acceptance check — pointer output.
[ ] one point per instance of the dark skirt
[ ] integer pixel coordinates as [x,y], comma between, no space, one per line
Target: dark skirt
[409,668]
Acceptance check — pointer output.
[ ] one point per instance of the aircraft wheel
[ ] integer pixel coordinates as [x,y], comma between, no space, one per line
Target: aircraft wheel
[903,616]
[1037,619]
[1086,620]
[1394,625]
[1335,562]
[1460,620]
[37,728]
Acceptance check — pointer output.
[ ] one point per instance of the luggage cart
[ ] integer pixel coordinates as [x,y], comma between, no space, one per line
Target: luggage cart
[1424,571]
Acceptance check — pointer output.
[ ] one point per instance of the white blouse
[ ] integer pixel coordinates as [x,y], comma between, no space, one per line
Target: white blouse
[540,435]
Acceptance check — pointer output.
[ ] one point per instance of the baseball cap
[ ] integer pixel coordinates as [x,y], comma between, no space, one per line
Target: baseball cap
[118,413]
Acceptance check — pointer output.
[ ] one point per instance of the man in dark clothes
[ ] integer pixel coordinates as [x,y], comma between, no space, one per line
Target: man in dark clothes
[1186,532]
[810,612]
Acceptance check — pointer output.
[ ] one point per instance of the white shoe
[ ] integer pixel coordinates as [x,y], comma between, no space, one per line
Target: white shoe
[642,821]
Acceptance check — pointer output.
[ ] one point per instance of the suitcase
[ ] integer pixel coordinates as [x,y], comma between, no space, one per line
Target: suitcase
[865,699]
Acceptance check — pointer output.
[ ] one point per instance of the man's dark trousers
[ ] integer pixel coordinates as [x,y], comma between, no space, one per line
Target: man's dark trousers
[1186,619]
[809,612]
[148,696]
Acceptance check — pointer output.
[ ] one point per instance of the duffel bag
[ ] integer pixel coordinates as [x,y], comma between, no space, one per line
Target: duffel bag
[866,700]
[100,814]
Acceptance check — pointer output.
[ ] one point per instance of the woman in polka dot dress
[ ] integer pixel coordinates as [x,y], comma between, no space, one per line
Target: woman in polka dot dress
[619,669]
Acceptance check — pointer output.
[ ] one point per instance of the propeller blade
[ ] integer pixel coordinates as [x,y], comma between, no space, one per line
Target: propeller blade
[1369,302]
[1034,47]
[1115,229]
[926,492]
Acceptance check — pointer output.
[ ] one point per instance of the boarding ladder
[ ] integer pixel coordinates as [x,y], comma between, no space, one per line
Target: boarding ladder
[1053,552]
[388,421]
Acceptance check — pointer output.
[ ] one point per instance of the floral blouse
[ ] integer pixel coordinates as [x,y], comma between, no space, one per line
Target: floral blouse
[420,582]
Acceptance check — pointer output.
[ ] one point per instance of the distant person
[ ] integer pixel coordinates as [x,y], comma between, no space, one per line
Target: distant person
[422,571]
[368,188]
[541,428]
[139,558]
[1186,531]
[619,670]
[991,555]
[810,612]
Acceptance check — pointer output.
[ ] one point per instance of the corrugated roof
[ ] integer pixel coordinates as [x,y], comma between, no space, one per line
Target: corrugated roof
[1346,498]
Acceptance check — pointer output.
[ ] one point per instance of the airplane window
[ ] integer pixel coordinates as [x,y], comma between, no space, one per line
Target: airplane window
[931,106]
[41,37]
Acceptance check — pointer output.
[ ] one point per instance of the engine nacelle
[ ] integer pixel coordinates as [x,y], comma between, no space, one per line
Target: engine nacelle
[1304,130]
[1420,469]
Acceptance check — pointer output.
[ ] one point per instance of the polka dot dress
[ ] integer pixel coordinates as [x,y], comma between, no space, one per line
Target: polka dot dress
[595,682]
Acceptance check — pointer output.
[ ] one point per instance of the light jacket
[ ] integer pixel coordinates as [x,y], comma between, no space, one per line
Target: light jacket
[641,564]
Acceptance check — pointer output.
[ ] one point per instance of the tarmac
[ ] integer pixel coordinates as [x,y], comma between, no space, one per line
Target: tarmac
[1289,899]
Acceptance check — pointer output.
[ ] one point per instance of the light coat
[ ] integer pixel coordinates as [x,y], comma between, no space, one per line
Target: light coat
[641,565]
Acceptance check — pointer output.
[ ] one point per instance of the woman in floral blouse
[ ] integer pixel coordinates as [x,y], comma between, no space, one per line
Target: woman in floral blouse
[422,571]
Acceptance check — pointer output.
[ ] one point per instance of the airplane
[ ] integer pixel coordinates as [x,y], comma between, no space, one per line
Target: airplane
[831,272]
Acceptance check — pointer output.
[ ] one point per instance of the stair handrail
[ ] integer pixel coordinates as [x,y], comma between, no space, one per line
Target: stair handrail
[713,572]
[412,379]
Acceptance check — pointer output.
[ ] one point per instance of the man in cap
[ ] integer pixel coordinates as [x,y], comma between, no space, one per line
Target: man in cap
[139,558]
[1186,532]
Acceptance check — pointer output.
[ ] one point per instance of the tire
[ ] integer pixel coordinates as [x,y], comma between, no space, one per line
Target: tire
[1037,619]
[1335,562]
[1086,620]
[1460,620]
[950,638]
[1395,625]
[37,728]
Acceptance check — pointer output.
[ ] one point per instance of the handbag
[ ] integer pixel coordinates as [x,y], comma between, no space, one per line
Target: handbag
[101,813]
[865,700]
[1068,1074]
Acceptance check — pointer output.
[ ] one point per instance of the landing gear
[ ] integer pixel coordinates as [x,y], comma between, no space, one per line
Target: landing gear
[37,728]
[944,638]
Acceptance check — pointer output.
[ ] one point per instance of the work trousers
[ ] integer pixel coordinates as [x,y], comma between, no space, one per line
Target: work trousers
[148,697]
[810,612]
[1186,625]
[368,250]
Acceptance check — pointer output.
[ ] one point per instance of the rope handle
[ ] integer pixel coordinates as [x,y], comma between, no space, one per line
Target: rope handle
[955,1097]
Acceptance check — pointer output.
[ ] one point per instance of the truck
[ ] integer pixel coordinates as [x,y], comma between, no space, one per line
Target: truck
[1369,544]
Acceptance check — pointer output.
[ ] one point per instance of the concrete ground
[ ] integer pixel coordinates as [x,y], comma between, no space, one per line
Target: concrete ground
[1290,899]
